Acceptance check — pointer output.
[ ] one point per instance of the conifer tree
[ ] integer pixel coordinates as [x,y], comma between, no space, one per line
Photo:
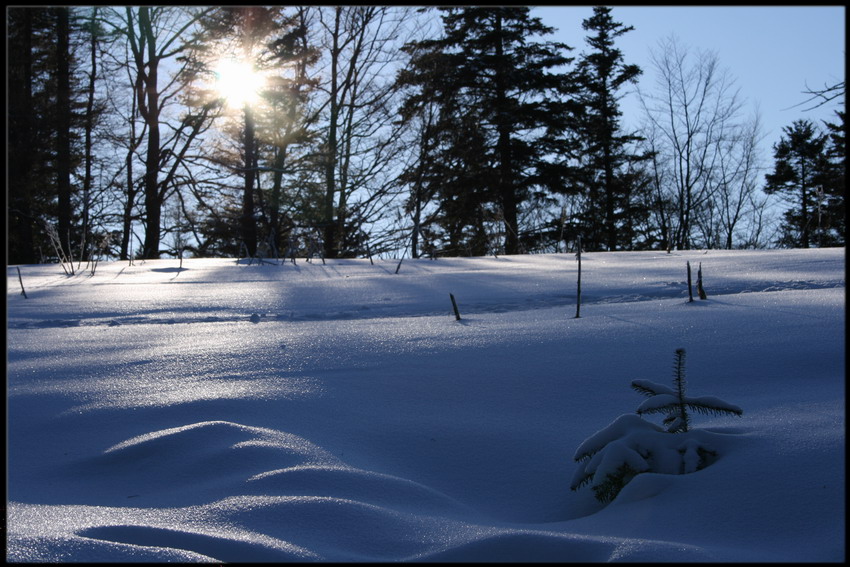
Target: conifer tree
[604,172]
[264,139]
[800,173]
[834,208]
[486,69]
[27,195]
[45,109]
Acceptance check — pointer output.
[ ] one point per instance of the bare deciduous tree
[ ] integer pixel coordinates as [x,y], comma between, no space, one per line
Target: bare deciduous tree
[738,179]
[358,146]
[156,34]
[693,109]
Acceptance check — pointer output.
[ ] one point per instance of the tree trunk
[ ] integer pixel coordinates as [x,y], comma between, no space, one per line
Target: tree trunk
[330,235]
[507,190]
[89,126]
[147,92]
[127,217]
[608,169]
[63,129]
[804,207]
[248,225]
[153,206]
[345,161]
[277,190]
[20,150]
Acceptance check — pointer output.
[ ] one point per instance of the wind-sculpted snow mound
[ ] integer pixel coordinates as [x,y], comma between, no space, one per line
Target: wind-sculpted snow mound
[196,461]
[223,491]
[216,459]
[541,547]
[272,496]
[196,546]
[354,484]
[293,499]
[251,529]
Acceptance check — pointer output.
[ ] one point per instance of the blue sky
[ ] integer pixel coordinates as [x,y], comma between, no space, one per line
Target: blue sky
[773,52]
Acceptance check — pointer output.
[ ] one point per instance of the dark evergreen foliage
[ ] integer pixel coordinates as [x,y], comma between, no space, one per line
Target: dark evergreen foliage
[675,403]
[501,122]
[265,137]
[802,173]
[607,172]
[46,111]
[835,226]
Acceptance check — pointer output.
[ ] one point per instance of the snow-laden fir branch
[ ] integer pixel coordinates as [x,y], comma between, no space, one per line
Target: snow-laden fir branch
[675,403]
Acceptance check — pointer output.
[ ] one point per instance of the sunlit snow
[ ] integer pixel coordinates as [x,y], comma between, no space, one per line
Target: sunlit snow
[337,411]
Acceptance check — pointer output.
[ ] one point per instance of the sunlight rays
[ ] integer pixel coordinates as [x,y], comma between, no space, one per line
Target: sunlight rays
[238,83]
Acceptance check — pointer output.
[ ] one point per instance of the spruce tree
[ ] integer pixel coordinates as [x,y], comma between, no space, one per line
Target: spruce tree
[45,112]
[26,198]
[266,139]
[605,173]
[486,68]
[835,225]
[800,173]
[455,165]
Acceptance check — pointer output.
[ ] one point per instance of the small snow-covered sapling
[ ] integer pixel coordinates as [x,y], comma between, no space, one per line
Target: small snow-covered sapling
[610,458]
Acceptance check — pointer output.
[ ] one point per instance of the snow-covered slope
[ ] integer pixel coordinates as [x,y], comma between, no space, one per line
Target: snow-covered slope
[337,411]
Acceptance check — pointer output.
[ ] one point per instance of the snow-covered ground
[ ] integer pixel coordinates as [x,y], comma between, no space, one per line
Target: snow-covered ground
[339,412]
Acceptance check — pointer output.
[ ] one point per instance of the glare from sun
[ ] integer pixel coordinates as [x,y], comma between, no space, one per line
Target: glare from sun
[237,82]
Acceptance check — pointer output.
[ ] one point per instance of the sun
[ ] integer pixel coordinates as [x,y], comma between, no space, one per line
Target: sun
[237,82]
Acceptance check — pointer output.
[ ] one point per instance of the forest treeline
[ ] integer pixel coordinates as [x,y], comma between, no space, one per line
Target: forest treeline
[384,129]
